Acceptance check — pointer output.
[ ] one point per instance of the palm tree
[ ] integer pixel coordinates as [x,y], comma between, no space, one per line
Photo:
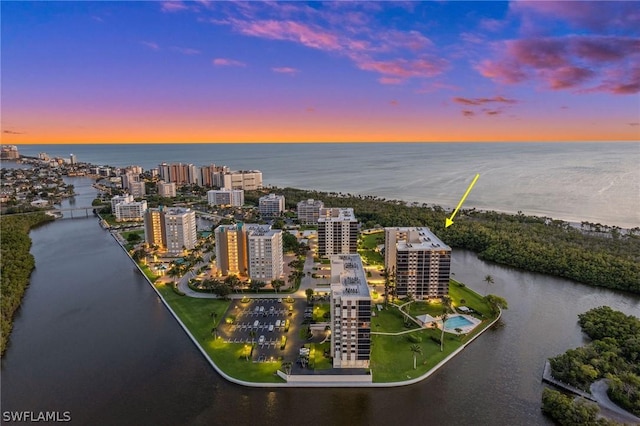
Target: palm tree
[214,332]
[388,276]
[416,349]
[489,280]
[444,318]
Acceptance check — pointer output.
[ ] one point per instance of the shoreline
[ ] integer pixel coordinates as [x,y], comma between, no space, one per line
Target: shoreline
[301,384]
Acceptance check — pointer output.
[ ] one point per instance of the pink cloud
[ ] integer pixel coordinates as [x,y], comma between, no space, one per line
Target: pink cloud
[173,6]
[390,80]
[394,102]
[403,68]
[289,30]
[285,70]
[482,101]
[226,62]
[572,62]
[411,40]
[468,113]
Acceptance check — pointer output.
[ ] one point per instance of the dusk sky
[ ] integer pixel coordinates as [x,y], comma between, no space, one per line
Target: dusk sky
[200,71]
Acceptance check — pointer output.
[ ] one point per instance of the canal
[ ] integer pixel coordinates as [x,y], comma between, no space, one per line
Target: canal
[92,338]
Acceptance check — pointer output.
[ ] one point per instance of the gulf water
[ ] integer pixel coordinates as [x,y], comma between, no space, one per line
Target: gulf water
[594,182]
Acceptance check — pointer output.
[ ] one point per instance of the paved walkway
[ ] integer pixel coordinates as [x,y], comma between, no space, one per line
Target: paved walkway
[607,407]
[306,282]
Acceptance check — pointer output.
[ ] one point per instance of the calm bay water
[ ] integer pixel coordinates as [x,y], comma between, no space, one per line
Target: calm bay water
[596,182]
[93,338]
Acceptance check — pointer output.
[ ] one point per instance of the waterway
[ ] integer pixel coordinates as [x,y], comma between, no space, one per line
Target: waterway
[92,338]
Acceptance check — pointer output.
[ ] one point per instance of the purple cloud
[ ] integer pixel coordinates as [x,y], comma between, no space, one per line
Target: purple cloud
[226,62]
[285,70]
[609,63]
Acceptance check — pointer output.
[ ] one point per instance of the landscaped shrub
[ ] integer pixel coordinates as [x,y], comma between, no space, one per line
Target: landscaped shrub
[413,338]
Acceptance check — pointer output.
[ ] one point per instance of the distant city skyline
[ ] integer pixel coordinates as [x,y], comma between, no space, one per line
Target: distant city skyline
[341,71]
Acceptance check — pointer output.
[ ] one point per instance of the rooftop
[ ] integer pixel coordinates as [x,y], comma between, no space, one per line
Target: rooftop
[337,214]
[347,276]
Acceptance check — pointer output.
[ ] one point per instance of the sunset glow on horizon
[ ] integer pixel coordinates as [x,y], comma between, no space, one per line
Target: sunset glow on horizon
[204,72]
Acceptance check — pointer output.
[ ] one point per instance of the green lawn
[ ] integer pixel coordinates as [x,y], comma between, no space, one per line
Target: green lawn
[389,320]
[391,358]
[319,310]
[195,314]
[421,307]
[320,362]
[368,244]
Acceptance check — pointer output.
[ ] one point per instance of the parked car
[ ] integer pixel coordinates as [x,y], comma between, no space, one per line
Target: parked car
[277,323]
[256,323]
[270,327]
[261,339]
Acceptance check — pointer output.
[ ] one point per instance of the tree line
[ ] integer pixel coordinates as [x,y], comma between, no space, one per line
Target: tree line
[16,264]
[531,243]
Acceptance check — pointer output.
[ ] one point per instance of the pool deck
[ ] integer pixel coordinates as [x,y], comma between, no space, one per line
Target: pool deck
[466,328]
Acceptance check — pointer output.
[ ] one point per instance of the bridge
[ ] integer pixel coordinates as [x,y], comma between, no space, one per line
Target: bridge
[76,209]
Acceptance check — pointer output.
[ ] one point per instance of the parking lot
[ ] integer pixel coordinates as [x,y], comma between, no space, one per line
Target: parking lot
[271,326]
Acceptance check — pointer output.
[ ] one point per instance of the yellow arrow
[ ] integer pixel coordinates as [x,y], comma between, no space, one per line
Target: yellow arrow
[449,221]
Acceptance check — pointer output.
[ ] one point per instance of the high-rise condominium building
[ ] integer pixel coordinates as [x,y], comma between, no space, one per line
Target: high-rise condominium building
[337,231]
[249,250]
[271,205]
[350,313]
[180,174]
[133,210]
[154,228]
[249,180]
[231,250]
[137,189]
[226,197]
[420,261]
[180,229]
[264,247]
[9,152]
[309,211]
[211,175]
[166,189]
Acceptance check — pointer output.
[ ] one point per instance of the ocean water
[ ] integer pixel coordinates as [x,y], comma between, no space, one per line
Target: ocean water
[595,182]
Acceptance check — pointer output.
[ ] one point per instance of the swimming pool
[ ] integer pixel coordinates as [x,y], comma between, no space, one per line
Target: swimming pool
[457,322]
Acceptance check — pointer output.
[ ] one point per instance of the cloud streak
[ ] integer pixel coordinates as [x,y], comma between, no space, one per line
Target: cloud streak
[226,62]
[151,45]
[285,70]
